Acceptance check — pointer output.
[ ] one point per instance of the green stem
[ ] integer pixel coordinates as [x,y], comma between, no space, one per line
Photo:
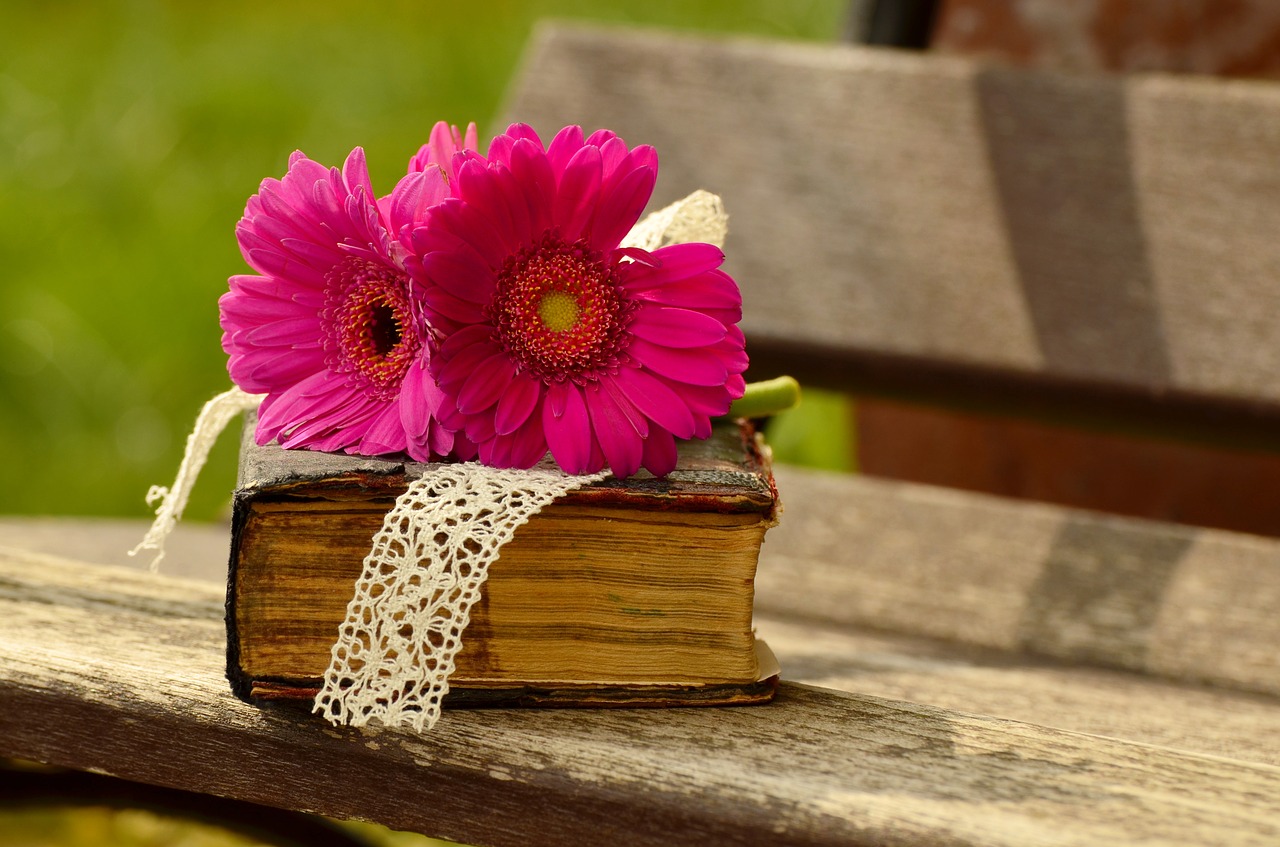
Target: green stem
[765,398]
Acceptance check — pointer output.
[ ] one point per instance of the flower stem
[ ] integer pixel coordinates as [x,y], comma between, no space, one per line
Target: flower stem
[766,397]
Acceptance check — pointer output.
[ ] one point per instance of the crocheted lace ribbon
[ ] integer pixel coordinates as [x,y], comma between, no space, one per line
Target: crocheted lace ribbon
[395,651]
[212,420]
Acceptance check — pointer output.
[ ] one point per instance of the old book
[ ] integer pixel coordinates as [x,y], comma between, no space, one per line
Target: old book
[635,592]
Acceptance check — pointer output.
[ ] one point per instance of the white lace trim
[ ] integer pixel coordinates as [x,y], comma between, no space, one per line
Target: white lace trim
[396,648]
[210,423]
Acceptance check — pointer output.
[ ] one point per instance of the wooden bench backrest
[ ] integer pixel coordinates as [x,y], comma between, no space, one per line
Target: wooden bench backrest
[1084,248]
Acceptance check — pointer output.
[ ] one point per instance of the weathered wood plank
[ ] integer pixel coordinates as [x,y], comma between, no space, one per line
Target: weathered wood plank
[840,655]
[1191,604]
[109,669]
[941,228]
[1017,686]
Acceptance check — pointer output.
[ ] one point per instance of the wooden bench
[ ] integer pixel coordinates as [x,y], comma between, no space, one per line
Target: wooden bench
[958,668]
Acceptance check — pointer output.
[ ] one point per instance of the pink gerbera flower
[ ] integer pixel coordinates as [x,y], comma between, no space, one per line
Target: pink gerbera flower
[332,331]
[557,338]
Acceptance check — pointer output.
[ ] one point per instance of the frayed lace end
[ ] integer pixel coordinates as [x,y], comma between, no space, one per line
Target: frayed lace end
[210,423]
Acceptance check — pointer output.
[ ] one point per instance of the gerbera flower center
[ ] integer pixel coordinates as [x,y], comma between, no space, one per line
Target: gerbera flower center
[369,329]
[558,310]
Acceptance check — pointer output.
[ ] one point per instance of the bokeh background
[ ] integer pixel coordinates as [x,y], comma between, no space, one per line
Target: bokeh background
[132,134]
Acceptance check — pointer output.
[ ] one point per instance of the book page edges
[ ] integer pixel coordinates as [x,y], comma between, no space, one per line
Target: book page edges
[470,693]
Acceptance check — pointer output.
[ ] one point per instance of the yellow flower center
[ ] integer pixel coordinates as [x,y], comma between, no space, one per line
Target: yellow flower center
[559,311]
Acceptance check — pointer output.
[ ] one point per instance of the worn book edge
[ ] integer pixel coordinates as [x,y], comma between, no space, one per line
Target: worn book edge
[569,694]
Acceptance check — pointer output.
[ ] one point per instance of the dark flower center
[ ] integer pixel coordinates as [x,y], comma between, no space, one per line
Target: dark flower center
[385,329]
[369,330]
[559,312]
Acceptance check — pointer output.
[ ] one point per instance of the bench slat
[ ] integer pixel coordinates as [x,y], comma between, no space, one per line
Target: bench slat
[939,228]
[1099,701]
[110,669]
[1192,604]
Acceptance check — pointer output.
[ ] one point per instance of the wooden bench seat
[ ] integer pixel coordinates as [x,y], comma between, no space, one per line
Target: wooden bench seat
[106,668]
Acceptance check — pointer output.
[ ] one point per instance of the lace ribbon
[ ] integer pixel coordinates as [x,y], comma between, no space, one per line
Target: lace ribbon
[212,420]
[395,650]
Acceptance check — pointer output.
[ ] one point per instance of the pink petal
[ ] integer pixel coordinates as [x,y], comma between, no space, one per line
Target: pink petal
[446,310]
[385,433]
[516,204]
[284,266]
[562,148]
[643,156]
[733,355]
[355,173]
[278,231]
[440,144]
[677,262]
[471,140]
[620,208]
[532,171]
[660,454]
[529,443]
[634,416]
[486,384]
[300,331]
[420,399]
[414,195]
[477,187]
[713,290]
[500,149]
[479,428]
[696,366]
[516,404]
[502,146]
[622,447]
[496,451]
[613,152]
[462,273]
[335,419]
[463,223]
[676,327]
[601,137]
[568,433]
[322,257]
[708,400]
[463,339]
[443,444]
[656,400]
[274,371]
[254,299]
[577,193]
[301,400]
[452,370]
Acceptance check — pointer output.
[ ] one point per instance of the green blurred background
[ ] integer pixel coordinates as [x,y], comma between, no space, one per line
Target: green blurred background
[132,134]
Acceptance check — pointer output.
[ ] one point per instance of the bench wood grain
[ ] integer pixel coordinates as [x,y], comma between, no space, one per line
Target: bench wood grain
[111,669]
